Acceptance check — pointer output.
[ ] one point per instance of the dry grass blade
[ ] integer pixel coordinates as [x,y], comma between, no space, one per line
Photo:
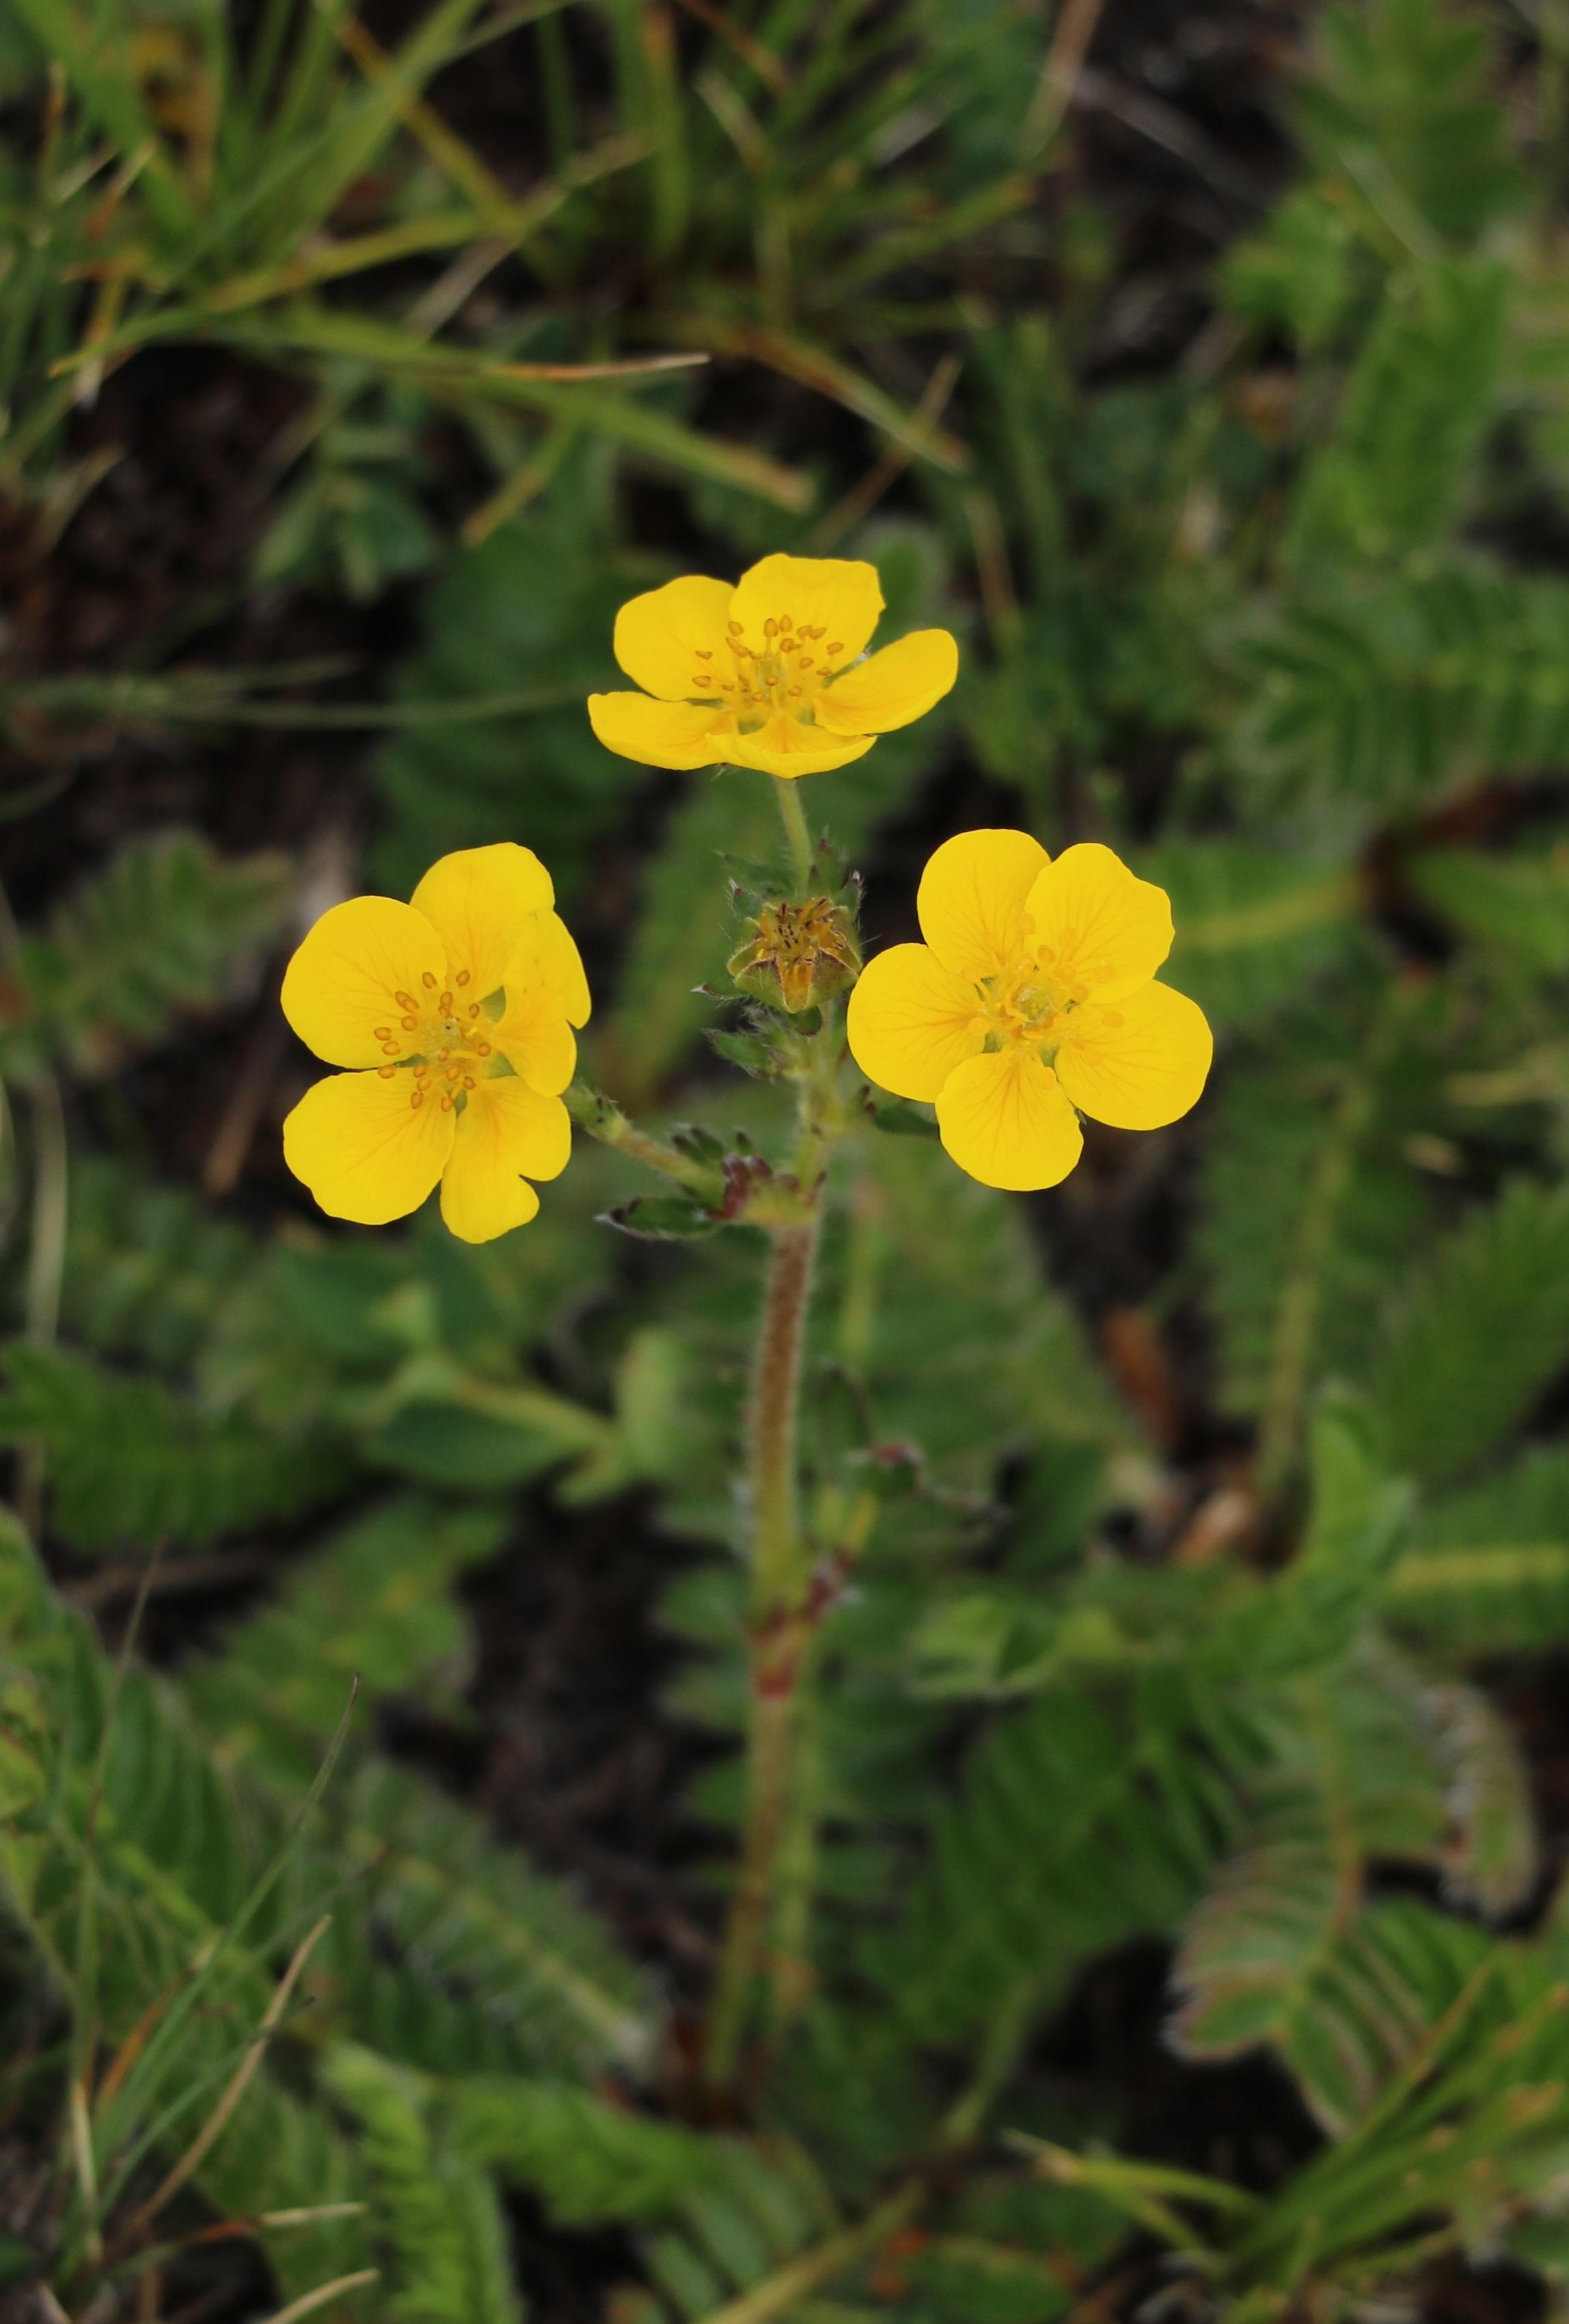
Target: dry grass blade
[190,2162]
[309,2301]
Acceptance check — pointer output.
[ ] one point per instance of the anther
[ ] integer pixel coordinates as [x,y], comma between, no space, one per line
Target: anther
[383,1032]
[408,1023]
[445,1004]
[442,1056]
[703,653]
[386,1072]
[1113,1019]
[417,1099]
[428,981]
[838,647]
[468,1080]
[785,622]
[795,693]
[483,1048]
[446,1105]
[389,1048]
[727,686]
[805,662]
[473,1008]
[404,1000]
[770,628]
[465,976]
[734,628]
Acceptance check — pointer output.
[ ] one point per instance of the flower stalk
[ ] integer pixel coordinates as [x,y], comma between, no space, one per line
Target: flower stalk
[780,1586]
[787,792]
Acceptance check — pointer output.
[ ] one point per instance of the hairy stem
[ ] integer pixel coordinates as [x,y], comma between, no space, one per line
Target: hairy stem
[793,817]
[602,1118]
[779,1581]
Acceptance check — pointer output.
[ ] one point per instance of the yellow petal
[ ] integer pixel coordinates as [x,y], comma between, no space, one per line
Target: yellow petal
[503,1130]
[1004,1119]
[835,594]
[477,901]
[893,687]
[1140,1064]
[662,638]
[547,994]
[657,733]
[544,964]
[912,1021]
[343,979]
[1105,928]
[786,747]
[972,899]
[364,1149]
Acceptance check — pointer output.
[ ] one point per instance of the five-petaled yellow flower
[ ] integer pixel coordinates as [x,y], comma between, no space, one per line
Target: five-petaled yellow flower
[766,674]
[456,1014]
[1034,995]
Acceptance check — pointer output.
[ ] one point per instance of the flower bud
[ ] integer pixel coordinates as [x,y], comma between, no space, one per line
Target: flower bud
[798,956]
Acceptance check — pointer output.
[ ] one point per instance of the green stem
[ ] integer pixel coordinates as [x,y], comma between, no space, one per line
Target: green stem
[793,817]
[602,1118]
[778,1584]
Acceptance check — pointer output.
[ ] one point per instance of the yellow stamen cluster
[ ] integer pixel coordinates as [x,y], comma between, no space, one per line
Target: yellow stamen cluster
[1026,1005]
[442,1038]
[774,676]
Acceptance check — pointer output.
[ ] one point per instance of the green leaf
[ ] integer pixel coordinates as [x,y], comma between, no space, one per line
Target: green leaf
[1394,476]
[129,1463]
[161,929]
[1481,1335]
[663,1218]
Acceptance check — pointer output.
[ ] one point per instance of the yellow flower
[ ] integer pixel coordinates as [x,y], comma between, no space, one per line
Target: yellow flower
[1033,995]
[456,1014]
[762,675]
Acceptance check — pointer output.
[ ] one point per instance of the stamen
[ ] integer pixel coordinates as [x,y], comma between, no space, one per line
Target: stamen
[386,1072]
[428,981]
[465,976]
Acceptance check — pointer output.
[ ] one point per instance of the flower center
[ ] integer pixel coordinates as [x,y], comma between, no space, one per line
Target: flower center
[1034,1005]
[441,1034]
[783,675]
